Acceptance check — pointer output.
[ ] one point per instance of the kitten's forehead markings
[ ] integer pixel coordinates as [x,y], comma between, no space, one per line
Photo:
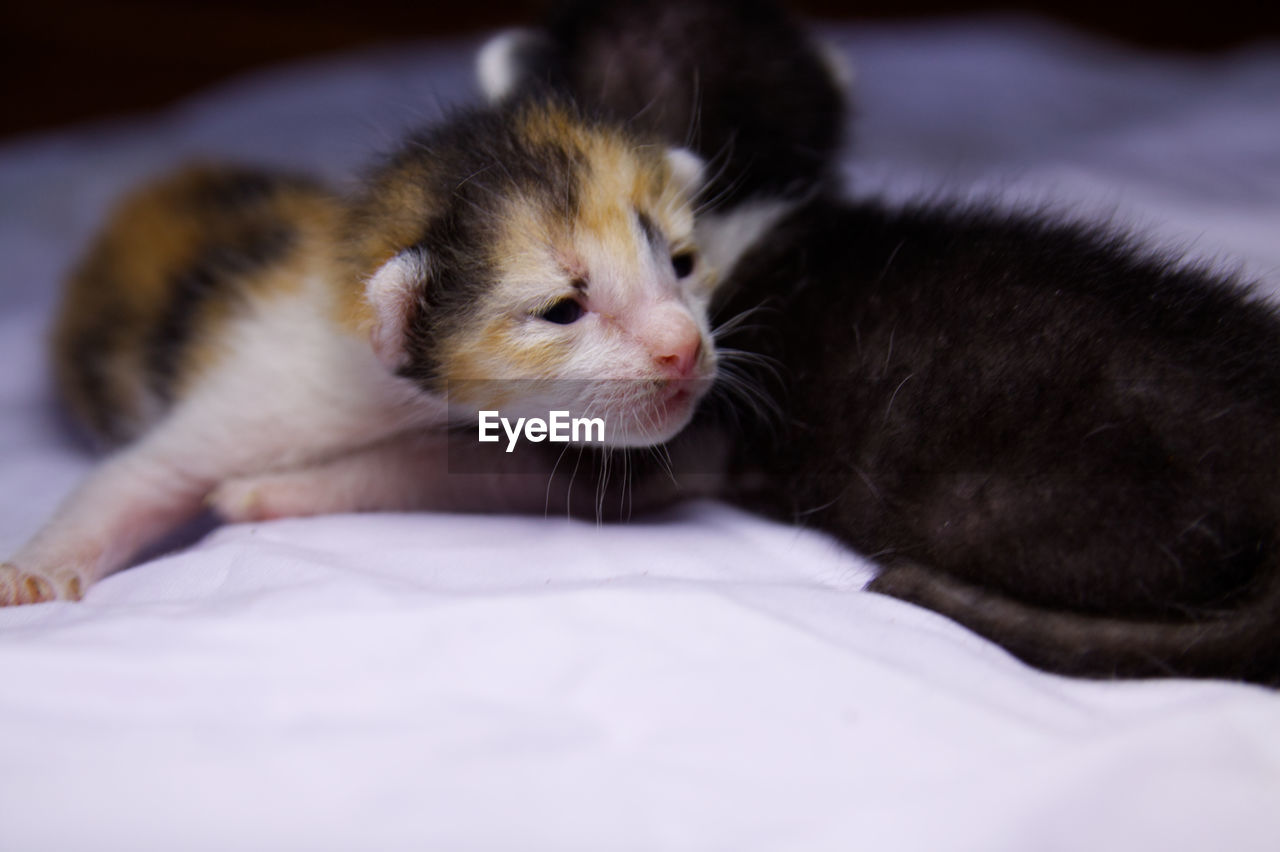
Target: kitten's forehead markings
[612,171]
[627,208]
[570,263]
[533,250]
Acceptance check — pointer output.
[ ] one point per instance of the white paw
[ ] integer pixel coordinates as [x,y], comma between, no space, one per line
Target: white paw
[266,498]
[236,501]
[18,586]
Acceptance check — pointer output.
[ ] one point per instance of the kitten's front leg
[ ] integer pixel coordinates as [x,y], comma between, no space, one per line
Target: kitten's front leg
[132,499]
[397,473]
[149,488]
[408,472]
[430,470]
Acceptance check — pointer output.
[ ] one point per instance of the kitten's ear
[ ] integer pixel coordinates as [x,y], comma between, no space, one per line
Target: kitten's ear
[392,293]
[686,170]
[838,66]
[510,59]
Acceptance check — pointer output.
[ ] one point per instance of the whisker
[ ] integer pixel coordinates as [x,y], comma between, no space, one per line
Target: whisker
[546,502]
[735,322]
[569,492]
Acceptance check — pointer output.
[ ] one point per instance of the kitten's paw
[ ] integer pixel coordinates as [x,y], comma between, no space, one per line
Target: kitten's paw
[26,587]
[266,498]
[236,501]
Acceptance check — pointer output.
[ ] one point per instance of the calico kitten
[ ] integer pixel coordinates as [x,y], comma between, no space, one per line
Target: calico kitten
[228,323]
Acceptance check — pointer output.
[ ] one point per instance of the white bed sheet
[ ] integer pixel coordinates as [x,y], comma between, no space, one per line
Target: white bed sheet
[701,680]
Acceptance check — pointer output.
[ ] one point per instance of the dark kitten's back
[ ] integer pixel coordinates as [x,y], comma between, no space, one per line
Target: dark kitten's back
[1063,443]
[1028,418]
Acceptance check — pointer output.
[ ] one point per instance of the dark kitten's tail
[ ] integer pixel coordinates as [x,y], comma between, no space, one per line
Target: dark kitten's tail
[1242,644]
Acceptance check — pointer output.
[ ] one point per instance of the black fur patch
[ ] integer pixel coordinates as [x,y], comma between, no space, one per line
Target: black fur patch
[217,273]
[474,161]
[1037,410]
[91,351]
[651,233]
[230,190]
[739,83]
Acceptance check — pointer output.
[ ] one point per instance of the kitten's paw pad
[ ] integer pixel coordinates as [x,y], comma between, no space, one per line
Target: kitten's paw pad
[236,501]
[267,498]
[27,587]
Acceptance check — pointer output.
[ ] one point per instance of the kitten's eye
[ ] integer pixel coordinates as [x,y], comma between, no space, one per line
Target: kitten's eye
[562,312]
[682,262]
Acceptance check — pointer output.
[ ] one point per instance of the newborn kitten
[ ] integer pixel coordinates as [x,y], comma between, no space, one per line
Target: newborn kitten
[230,324]
[1060,439]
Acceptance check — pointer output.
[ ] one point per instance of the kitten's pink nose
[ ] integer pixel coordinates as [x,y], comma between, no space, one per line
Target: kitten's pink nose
[676,344]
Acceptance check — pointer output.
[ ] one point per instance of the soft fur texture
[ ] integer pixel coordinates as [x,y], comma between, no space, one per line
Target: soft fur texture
[742,84]
[1037,428]
[1062,440]
[231,323]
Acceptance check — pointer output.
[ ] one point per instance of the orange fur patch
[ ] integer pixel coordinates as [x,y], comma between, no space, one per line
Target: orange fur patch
[118,294]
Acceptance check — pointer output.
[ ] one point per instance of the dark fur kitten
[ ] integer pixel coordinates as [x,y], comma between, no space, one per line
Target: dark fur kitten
[1062,441]
[740,83]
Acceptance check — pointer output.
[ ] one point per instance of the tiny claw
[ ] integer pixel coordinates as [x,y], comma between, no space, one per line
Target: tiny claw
[23,587]
[35,589]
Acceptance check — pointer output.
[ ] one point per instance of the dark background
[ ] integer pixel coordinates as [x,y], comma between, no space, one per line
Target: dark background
[71,60]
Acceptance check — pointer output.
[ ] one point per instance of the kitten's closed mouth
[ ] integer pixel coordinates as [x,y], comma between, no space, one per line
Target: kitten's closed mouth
[674,403]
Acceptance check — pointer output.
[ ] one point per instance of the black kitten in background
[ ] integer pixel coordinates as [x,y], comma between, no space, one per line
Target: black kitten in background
[1067,444]
[1063,441]
[740,83]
